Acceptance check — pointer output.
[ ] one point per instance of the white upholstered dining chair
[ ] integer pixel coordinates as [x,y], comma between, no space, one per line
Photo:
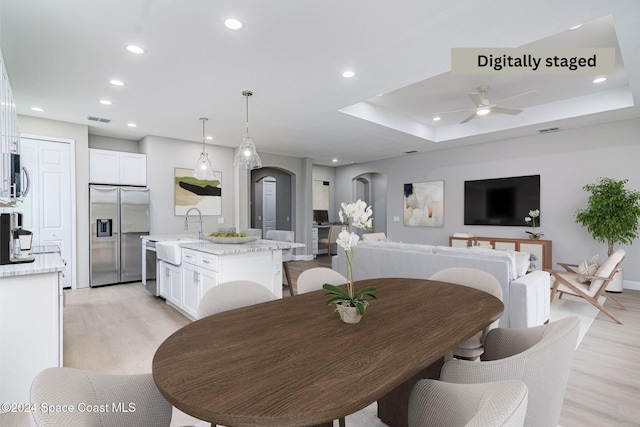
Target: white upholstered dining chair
[312,279]
[478,279]
[287,254]
[441,404]
[234,294]
[68,386]
[540,357]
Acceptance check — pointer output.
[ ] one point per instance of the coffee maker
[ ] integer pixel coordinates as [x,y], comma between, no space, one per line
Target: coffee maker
[15,243]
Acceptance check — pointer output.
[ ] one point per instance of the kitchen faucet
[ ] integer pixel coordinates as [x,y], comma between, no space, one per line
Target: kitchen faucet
[199,221]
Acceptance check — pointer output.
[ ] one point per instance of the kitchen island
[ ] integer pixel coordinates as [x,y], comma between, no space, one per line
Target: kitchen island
[31,301]
[204,264]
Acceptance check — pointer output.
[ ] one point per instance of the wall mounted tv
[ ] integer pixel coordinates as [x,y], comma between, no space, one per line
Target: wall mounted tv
[501,201]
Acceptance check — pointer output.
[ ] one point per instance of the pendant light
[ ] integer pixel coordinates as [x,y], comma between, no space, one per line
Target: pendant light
[247,157]
[203,170]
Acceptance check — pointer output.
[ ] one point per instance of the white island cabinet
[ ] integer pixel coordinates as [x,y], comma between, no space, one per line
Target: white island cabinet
[31,302]
[206,264]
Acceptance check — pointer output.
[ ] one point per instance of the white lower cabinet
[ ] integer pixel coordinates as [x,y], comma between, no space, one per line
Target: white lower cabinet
[170,281]
[199,274]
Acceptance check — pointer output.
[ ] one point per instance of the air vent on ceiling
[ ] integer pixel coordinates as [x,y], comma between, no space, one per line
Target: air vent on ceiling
[411,152]
[98,119]
[547,130]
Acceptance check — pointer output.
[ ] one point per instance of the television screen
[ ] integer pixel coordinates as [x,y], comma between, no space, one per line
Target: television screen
[501,201]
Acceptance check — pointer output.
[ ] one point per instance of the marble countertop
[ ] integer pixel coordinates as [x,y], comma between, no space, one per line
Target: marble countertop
[169,237]
[228,249]
[43,263]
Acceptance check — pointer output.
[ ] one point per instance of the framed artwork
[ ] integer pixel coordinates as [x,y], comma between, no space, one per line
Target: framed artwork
[424,204]
[194,193]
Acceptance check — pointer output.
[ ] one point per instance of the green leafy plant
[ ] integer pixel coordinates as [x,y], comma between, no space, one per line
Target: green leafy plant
[339,296]
[613,214]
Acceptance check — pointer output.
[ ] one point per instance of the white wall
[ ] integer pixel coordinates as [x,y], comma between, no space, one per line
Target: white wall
[565,160]
[163,156]
[114,144]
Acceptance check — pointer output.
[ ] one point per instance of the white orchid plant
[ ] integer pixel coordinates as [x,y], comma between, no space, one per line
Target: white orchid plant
[531,220]
[357,215]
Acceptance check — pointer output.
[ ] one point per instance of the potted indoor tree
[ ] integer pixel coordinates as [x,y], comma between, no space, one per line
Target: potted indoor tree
[613,213]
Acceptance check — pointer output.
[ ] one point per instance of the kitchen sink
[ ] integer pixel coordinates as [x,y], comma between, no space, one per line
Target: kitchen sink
[170,251]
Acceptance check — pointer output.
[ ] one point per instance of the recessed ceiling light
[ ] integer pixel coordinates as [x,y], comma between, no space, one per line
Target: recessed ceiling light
[105,102]
[135,49]
[38,109]
[233,24]
[437,118]
[600,80]
[116,82]
[132,125]
[209,138]
[334,160]
[348,74]
[576,27]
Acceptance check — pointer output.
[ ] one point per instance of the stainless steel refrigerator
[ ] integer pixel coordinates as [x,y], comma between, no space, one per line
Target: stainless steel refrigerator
[118,217]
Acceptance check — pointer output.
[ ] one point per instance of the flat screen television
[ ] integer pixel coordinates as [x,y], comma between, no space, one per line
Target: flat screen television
[501,201]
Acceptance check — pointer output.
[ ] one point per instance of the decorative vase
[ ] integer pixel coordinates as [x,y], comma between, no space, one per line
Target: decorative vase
[349,314]
[533,237]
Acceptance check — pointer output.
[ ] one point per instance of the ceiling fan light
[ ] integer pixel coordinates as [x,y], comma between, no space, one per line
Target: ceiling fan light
[483,111]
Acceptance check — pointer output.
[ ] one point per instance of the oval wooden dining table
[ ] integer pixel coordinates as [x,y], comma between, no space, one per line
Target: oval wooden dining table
[293,362]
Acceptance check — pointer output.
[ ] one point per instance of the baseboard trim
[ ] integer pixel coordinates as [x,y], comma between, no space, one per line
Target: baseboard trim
[303,257]
[630,284]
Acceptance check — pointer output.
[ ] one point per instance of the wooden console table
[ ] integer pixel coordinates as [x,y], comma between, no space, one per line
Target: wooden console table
[540,249]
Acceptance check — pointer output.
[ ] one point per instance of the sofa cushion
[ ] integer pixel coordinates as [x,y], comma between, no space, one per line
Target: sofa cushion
[522,263]
[482,254]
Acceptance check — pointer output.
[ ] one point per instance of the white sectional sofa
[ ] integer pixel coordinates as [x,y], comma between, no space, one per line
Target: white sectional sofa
[525,295]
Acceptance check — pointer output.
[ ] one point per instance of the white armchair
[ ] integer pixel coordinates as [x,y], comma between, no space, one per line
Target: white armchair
[141,404]
[440,404]
[541,357]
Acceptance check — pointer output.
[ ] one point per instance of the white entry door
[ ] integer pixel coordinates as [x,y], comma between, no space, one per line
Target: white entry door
[268,205]
[46,209]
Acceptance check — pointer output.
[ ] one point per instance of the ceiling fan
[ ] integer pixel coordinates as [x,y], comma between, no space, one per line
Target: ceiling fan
[484,106]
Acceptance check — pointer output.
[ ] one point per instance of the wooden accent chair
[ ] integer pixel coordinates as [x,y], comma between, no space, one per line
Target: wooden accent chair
[493,404]
[312,279]
[472,348]
[231,295]
[540,357]
[334,230]
[567,282]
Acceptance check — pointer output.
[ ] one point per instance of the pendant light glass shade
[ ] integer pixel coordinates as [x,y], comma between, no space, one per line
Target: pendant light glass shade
[203,170]
[246,156]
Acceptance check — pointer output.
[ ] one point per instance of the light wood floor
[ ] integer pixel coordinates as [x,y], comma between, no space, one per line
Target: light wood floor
[116,329]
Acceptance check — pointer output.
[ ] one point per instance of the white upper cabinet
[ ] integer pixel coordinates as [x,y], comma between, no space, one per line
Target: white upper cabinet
[10,173]
[117,168]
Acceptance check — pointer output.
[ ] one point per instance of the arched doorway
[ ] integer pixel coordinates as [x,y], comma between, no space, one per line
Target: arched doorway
[271,196]
[372,189]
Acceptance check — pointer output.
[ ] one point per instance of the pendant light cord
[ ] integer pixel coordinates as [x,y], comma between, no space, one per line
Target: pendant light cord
[204,119]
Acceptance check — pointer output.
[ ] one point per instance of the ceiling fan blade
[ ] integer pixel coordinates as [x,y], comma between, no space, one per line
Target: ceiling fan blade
[521,95]
[502,110]
[471,117]
[476,98]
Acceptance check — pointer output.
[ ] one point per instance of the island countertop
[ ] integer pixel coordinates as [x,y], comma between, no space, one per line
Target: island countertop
[44,263]
[228,249]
